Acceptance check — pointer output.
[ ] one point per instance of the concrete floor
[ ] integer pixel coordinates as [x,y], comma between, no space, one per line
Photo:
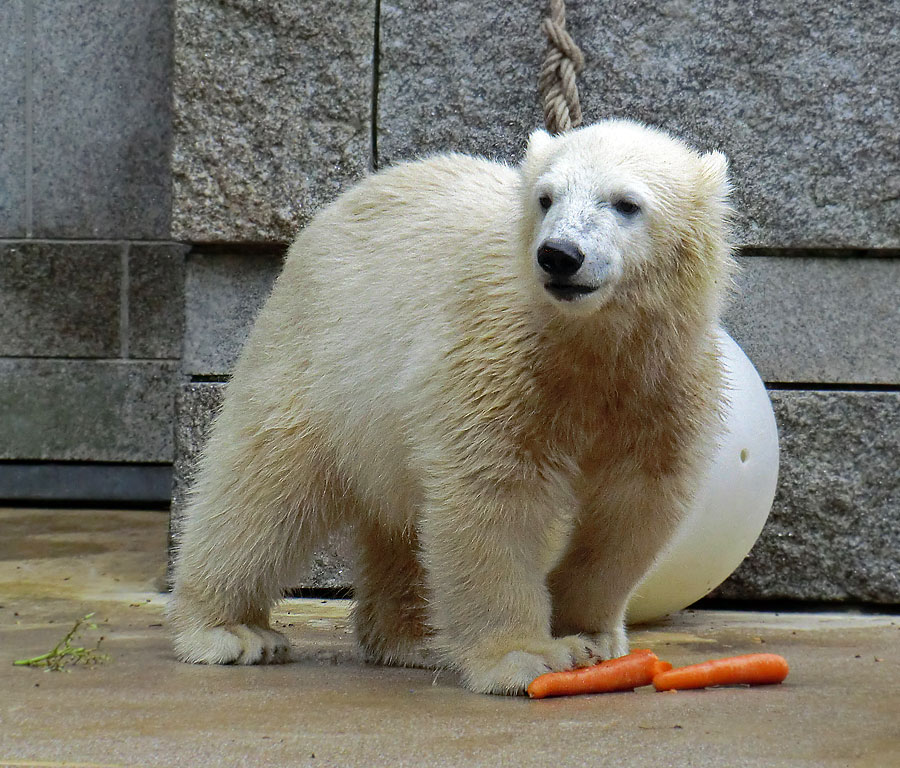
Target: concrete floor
[840,706]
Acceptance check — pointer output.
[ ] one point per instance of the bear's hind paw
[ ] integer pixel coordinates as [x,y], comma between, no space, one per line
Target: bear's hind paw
[233,644]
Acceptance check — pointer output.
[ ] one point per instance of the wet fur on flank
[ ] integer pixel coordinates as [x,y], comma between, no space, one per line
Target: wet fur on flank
[510,464]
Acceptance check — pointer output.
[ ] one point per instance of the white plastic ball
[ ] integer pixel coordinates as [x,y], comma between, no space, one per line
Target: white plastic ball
[731,506]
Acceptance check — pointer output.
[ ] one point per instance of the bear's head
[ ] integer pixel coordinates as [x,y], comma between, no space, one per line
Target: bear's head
[618,214]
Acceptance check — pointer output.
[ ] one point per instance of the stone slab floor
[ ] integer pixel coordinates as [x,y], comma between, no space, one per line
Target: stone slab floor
[840,706]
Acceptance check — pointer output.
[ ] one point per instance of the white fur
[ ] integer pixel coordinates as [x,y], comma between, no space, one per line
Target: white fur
[510,463]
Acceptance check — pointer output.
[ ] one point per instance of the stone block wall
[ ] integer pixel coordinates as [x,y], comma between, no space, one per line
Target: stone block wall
[278,105]
[91,281]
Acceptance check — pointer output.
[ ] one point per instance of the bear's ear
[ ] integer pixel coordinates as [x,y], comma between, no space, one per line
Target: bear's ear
[714,175]
[539,144]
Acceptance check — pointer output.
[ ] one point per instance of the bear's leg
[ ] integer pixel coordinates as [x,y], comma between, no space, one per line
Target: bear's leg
[257,513]
[389,601]
[616,541]
[487,553]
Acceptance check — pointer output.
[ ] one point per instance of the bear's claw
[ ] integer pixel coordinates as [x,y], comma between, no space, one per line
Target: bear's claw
[510,670]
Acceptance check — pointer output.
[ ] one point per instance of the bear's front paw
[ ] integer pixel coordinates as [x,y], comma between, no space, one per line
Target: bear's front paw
[508,667]
[232,644]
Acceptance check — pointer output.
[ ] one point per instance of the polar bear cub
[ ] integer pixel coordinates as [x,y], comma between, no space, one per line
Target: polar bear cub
[501,379]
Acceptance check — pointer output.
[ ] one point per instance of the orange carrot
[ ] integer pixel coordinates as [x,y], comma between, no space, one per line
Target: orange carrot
[751,669]
[622,674]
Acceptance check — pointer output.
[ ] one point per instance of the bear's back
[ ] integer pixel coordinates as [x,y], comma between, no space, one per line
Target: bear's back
[374,294]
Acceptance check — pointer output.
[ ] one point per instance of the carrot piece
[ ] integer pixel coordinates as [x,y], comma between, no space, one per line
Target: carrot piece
[661,666]
[750,669]
[622,674]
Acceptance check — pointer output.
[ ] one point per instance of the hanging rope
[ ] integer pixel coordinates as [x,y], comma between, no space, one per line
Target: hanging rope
[556,84]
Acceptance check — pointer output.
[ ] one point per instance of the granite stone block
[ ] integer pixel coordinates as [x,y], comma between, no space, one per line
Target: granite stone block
[463,81]
[13,118]
[60,299]
[801,96]
[223,293]
[819,319]
[155,300]
[102,118]
[272,105]
[196,406]
[834,531]
[77,410]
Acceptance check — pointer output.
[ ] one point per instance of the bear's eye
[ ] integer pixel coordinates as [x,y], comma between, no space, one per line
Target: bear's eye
[545,201]
[626,207]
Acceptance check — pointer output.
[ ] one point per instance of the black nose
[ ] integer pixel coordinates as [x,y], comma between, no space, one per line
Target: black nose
[560,258]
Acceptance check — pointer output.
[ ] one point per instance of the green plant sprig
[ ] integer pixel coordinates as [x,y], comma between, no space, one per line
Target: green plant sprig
[65,654]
